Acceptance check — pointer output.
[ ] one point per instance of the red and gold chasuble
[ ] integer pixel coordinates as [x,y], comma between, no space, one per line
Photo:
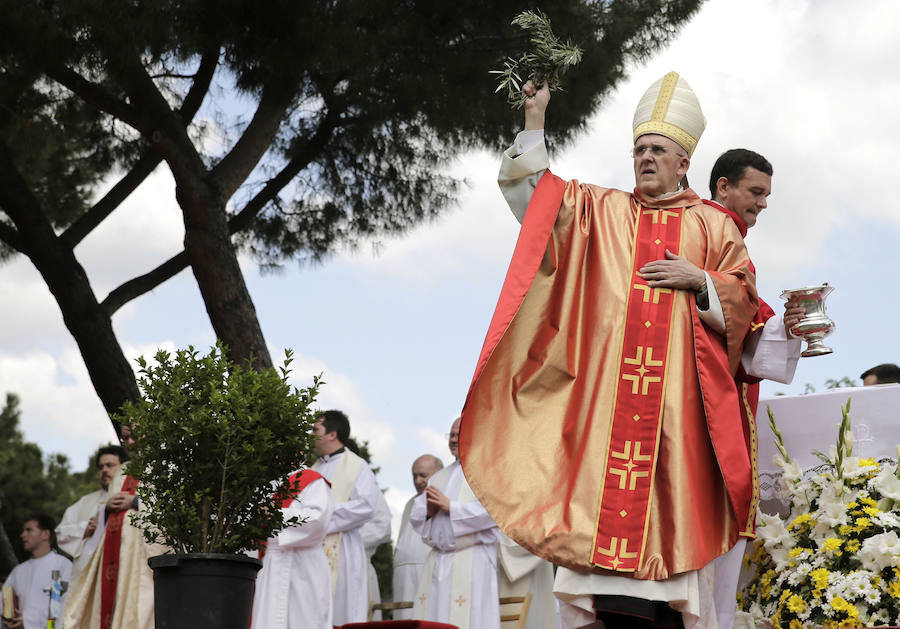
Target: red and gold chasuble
[602,428]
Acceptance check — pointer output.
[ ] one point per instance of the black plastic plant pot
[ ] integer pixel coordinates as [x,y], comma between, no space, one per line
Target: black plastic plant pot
[203,590]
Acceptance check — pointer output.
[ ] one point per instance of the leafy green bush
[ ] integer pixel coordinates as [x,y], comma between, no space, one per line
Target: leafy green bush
[210,437]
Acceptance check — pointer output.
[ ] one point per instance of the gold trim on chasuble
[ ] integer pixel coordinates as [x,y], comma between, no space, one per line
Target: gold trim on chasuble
[750,528]
[627,492]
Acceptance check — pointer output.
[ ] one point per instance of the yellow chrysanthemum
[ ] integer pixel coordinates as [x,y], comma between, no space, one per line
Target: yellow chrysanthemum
[833,544]
[820,578]
[852,545]
[795,624]
[800,520]
[871,511]
[862,524]
[894,589]
[845,529]
[796,604]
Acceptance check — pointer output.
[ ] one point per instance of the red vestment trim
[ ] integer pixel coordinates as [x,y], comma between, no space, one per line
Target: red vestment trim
[112,543]
[640,393]
[526,260]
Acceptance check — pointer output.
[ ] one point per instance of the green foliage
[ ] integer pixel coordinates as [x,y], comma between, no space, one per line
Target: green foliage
[381,93]
[546,62]
[210,439]
[840,383]
[383,562]
[830,383]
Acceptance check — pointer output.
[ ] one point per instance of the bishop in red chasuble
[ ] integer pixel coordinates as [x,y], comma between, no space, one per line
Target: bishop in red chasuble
[609,433]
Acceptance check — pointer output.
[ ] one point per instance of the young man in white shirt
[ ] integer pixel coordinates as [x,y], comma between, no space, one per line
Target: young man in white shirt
[31,580]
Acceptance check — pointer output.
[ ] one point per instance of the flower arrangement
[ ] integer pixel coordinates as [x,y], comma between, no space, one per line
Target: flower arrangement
[835,560]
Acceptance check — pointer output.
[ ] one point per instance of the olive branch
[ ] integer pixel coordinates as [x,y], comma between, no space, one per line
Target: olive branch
[546,62]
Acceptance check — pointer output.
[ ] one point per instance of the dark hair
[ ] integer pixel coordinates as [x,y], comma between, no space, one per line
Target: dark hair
[45,523]
[336,421]
[884,373]
[733,166]
[118,451]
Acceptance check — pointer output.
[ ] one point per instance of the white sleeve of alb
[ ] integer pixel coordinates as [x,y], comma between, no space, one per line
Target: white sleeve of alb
[771,353]
[522,166]
[713,317]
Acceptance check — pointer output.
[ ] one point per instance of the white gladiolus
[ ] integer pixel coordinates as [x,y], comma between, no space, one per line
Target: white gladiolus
[887,484]
[880,551]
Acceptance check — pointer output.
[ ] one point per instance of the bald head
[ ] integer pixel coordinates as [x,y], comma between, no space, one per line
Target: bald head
[423,468]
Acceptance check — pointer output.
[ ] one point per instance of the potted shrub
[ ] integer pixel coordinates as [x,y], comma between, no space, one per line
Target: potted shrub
[210,437]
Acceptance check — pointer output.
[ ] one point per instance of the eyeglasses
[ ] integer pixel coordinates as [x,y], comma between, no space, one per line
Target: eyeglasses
[451,434]
[657,150]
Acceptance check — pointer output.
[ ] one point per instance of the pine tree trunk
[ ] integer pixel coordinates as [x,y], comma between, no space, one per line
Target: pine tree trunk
[87,321]
[214,262]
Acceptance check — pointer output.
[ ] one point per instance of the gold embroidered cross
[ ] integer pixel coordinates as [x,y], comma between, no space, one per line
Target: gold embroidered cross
[655,292]
[460,601]
[641,380]
[628,474]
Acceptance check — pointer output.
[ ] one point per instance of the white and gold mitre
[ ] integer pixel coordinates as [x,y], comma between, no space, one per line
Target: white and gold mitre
[670,108]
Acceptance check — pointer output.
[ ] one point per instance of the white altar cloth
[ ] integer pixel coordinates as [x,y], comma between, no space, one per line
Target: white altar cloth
[810,422]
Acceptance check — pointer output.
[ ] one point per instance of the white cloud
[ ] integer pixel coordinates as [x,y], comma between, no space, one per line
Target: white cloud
[341,392]
[60,410]
[435,443]
[145,231]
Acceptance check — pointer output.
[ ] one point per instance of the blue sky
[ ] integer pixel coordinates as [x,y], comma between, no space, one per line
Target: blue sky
[397,333]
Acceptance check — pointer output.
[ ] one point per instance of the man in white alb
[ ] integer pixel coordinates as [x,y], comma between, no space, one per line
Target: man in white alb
[411,551]
[376,532]
[459,581]
[291,589]
[355,495]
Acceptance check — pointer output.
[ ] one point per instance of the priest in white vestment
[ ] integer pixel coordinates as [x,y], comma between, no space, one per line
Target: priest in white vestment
[292,591]
[411,552]
[355,495]
[459,581]
[374,533]
[75,532]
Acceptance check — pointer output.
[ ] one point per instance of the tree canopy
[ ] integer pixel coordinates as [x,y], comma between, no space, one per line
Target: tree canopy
[31,483]
[335,117]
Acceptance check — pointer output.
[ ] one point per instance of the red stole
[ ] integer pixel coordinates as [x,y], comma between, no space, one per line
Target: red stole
[637,415]
[298,481]
[109,571]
